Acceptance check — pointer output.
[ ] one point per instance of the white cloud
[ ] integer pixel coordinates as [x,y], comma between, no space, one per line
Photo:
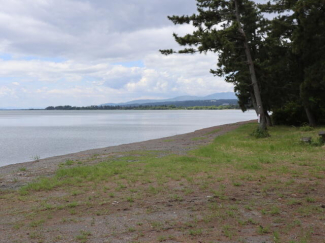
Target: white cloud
[5,91]
[63,52]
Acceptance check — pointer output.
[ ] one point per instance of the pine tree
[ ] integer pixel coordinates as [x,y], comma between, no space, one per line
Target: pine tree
[302,26]
[229,28]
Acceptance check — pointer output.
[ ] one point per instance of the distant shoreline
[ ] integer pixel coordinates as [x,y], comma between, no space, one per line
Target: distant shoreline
[123,109]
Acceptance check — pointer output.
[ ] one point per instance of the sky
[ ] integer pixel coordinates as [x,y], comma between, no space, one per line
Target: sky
[90,52]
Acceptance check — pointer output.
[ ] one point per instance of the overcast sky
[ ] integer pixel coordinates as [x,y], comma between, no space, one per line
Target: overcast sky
[88,52]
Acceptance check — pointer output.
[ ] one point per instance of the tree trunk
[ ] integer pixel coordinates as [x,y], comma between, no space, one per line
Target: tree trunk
[268,119]
[256,88]
[310,116]
[254,102]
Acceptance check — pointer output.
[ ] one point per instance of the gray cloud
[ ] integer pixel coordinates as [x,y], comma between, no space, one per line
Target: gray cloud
[88,29]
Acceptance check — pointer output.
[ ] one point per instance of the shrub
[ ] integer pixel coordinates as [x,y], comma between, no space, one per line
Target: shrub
[258,133]
[290,114]
[306,128]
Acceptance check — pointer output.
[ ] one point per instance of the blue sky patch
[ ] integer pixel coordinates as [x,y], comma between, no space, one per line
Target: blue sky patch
[5,56]
[138,63]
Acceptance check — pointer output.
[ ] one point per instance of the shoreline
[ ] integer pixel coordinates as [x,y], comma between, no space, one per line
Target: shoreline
[13,176]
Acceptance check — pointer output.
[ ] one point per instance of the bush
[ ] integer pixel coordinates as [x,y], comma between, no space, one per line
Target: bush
[290,114]
[306,128]
[318,142]
[258,133]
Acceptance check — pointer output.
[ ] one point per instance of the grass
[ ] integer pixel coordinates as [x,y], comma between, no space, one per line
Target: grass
[195,232]
[238,181]
[234,150]
[83,236]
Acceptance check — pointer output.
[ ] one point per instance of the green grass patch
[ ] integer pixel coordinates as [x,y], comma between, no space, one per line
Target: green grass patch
[282,153]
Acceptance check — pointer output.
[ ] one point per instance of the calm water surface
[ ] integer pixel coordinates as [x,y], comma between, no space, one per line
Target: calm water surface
[27,134]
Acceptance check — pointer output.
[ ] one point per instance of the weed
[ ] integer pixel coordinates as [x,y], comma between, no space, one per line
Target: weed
[227,231]
[251,221]
[76,193]
[294,202]
[35,235]
[263,230]
[36,158]
[69,162]
[73,212]
[310,200]
[83,236]
[162,238]
[131,230]
[195,232]
[72,205]
[157,225]
[47,206]
[236,183]
[37,223]
[177,198]
[18,225]
[274,210]
[276,237]
[130,199]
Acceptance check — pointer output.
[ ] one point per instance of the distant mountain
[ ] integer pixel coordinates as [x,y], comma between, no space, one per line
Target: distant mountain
[189,103]
[216,96]
[221,96]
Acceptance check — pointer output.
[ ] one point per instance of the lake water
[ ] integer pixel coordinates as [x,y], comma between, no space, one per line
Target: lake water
[27,134]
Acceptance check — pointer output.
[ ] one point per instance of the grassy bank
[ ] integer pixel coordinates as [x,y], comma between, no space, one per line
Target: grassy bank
[236,189]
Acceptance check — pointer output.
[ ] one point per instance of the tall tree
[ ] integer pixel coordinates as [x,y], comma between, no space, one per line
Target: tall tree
[302,26]
[229,28]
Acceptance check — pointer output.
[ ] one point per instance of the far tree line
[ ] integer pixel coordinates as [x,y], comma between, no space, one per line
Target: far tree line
[143,107]
[273,54]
